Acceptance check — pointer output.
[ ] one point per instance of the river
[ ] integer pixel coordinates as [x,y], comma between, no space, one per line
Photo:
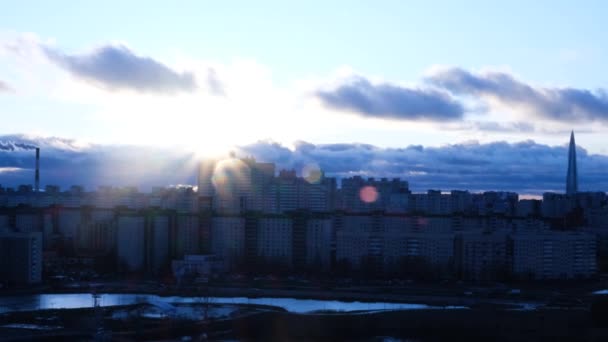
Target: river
[85,300]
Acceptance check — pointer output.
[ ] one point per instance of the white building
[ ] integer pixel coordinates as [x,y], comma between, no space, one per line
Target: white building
[554,254]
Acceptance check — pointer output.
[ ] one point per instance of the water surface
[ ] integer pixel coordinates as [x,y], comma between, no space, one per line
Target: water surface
[85,300]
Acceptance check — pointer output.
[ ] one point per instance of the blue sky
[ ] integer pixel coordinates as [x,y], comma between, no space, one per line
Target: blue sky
[392,39]
[201,77]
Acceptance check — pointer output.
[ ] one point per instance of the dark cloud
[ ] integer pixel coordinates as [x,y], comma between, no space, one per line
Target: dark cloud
[25,146]
[10,145]
[391,101]
[563,104]
[64,162]
[117,67]
[526,167]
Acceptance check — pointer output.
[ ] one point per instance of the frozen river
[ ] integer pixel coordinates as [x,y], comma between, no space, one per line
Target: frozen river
[85,300]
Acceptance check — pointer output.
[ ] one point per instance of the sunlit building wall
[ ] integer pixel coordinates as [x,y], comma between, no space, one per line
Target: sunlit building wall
[205,178]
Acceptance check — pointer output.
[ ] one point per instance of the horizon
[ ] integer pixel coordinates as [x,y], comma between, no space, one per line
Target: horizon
[182,166]
[376,91]
[271,170]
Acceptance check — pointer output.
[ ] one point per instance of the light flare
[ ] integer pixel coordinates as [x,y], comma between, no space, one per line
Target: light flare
[368,194]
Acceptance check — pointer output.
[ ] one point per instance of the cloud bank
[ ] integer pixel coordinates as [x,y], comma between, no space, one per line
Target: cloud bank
[390,101]
[116,67]
[526,167]
[560,104]
[68,162]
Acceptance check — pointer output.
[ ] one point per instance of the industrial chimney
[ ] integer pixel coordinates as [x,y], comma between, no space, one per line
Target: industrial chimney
[37,176]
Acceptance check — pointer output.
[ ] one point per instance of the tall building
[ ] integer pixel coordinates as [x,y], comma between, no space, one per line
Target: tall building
[228,239]
[554,254]
[362,195]
[21,258]
[157,242]
[572,175]
[275,240]
[187,237]
[130,242]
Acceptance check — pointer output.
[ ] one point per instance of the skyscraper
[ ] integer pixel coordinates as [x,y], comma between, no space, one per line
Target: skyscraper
[572,175]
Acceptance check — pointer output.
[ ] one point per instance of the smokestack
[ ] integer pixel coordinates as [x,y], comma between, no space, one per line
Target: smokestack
[37,176]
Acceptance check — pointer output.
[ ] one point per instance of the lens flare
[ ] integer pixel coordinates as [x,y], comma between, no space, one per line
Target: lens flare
[230,176]
[312,173]
[368,194]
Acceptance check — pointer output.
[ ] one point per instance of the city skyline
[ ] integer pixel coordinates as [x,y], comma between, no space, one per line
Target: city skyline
[321,170]
[429,105]
[100,167]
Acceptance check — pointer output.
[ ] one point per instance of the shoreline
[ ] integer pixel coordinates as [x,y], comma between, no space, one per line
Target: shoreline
[299,294]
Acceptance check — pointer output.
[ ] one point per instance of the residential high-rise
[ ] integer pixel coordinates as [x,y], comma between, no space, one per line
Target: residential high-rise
[130,242]
[21,258]
[554,254]
[572,175]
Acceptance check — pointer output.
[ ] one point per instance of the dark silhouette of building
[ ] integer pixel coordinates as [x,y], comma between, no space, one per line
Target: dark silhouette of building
[572,175]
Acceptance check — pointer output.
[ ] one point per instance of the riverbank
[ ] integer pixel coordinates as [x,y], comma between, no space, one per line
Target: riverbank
[336,294]
[480,324]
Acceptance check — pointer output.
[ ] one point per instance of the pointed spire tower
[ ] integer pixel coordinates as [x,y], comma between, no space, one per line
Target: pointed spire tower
[572,176]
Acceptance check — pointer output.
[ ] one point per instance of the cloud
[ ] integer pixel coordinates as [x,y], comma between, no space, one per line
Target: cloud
[560,104]
[215,85]
[115,67]
[491,126]
[390,101]
[68,162]
[9,145]
[5,88]
[9,169]
[526,167]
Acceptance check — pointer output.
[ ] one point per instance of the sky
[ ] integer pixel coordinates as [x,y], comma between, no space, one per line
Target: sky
[474,95]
